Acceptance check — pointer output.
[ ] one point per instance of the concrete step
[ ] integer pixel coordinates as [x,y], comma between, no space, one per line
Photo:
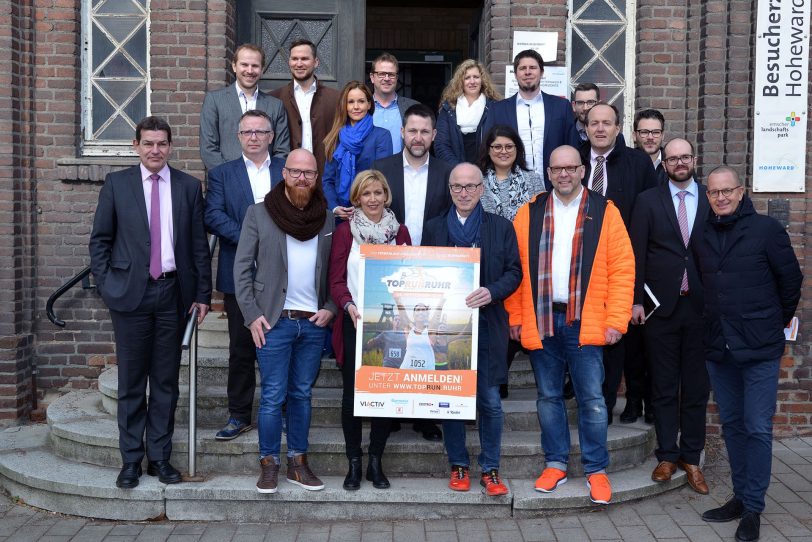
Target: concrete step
[30,471]
[82,430]
[212,405]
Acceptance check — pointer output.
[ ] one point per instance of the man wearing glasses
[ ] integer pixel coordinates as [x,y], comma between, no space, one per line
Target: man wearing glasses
[390,109]
[667,223]
[649,129]
[232,188]
[752,284]
[584,97]
[280,278]
[575,297]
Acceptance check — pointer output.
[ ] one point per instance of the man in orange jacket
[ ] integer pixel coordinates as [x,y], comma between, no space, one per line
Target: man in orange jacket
[575,297]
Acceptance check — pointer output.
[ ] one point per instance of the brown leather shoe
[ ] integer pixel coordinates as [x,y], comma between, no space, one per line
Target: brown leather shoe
[695,478]
[268,475]
[299,473]
[664,471]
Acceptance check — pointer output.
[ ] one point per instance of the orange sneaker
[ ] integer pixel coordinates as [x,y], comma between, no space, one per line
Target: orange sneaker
[600,490]
[460,481]
[550,479]
[493,484]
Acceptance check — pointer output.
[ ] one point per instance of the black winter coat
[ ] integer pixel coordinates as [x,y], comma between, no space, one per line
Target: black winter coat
[752,284]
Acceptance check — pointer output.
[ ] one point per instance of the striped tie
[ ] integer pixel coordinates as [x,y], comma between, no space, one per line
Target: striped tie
[597,175]
[682,218]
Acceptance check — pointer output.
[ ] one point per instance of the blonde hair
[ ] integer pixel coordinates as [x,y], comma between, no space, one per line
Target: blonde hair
[454,88]
[340,119]
[363,180]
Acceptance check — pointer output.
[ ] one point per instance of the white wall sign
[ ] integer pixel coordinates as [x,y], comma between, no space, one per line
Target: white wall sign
[782,90]
[555,81]
[545,43]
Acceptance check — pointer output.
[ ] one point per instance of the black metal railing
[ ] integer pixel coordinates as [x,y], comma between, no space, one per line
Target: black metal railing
[49,306]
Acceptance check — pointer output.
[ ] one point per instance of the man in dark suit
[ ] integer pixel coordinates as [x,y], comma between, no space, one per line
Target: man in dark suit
[619,173]
[666,222]
[151,261]
[310,105]
[221,111]
[232,188]
[648,135]
[419,186]
[543,121]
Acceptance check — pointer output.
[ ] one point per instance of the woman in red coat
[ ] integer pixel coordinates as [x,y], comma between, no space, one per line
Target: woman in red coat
[371,222]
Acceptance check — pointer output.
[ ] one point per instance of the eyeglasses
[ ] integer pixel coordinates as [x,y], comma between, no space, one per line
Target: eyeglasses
[646,133]
[385,75]
[254,133]
[589,103]
[470,188]
[309,174]
[685,159]
[556,171]
[726,192]
[510,147]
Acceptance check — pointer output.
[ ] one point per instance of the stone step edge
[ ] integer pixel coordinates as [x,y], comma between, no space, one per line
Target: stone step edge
[29,470]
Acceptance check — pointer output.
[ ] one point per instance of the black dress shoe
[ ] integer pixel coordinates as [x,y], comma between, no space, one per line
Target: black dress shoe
[165,472]
[430,431]
[632,411]
[375,473]
[352,481]
[129,475]
[749,527]
[729,511]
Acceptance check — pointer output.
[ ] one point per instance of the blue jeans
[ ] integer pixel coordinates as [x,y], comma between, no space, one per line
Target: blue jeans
[489,405]
[586,371]
[746,395]
[288,365]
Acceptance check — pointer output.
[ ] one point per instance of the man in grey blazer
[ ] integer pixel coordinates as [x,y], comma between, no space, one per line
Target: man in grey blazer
[390,109]
[280,276]
[222,109]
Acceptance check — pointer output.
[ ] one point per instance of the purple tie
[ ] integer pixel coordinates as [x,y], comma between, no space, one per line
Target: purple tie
[155,229]
[682,218]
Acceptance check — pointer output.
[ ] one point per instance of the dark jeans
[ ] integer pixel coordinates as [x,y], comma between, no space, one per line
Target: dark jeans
[746,395]
[379,432]
[241,357]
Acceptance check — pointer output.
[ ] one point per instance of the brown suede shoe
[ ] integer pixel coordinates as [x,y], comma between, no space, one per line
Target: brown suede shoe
[695,478]
[664,471]
[269,473]
[299,473]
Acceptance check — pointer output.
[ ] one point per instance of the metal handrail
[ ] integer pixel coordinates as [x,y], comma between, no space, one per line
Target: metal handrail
[190,343]
[49,306]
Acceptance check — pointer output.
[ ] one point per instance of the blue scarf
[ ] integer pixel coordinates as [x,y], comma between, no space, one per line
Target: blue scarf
[350,142]
[465,235]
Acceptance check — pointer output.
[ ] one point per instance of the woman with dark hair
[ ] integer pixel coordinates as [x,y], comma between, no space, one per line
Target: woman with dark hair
[463,110]
[508,182]
[352,145]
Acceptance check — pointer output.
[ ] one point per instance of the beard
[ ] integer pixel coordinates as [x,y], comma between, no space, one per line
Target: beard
[300,196]
[529,88]
[682,175]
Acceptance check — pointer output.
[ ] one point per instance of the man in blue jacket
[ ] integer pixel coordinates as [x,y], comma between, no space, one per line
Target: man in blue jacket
[232,188]
[543,121]
[752,284]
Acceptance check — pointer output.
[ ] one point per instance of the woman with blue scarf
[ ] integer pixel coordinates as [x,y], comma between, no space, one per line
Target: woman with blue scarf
[352,145]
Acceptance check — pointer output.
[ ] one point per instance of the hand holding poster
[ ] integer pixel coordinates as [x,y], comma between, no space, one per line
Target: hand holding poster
[416,355]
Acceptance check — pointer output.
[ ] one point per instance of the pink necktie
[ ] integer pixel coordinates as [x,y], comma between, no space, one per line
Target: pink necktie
[682,218]
[155,229]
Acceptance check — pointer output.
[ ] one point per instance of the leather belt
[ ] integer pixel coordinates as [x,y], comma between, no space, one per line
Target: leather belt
[684,293]
[166,275]
[297,315]
[559,307]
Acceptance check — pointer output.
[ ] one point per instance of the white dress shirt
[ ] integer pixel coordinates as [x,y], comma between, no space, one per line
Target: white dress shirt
[304,99]
[167,227]
[691,202]
[530,120]
[565,216]
[259,177]
[415,185]
[592,162]
[659,159]
[247,102]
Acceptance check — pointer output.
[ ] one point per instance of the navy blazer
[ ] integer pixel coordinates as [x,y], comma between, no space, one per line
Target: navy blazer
[377,145]
[119,241]
[228,196]
[449,144]
[558,124]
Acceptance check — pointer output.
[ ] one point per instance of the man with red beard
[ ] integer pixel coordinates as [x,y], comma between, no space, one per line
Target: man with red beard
[280,275]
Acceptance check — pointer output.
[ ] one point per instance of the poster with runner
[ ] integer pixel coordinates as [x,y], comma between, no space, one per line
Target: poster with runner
[416,339]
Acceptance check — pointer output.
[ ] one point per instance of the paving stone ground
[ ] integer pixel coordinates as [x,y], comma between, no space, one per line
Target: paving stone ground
[673,516]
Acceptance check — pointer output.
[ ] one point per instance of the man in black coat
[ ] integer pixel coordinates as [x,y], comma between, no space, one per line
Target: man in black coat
[648,136]
[666,222]
[619,173]
[151,261]
[466,224]
[752,284]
